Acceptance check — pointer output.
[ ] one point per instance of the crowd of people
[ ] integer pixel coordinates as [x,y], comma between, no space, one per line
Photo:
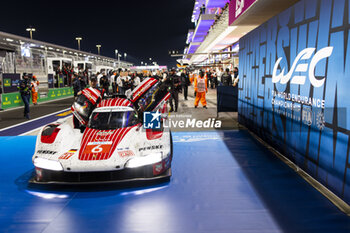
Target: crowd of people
[122,82]
[67,73]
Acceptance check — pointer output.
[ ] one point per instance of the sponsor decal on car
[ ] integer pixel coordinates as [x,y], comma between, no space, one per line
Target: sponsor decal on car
[68,154]
[38,172]
[104,133]
[167,162]
[97,149]
[155,147]
[99,143]
[126,153]
[49,152]
[158,168]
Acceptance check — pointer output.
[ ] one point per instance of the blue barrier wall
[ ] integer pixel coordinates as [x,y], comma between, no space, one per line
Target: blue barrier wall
[295,88]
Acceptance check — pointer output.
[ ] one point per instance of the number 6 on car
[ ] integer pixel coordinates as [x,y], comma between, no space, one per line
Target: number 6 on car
[97,149]
[94,148]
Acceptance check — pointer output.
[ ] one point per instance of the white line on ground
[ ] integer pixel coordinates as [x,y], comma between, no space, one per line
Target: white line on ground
[40,103]
[33,130]
[12,126]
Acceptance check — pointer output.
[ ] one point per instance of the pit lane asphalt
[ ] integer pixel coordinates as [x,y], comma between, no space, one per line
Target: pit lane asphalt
[222,182]
[13,123]
[15,116]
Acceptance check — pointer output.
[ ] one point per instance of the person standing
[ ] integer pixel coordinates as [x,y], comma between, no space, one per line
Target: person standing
[104,83]
[76,85]
[24,87]
[120,83]
[215,79]
[114,86]
[202,9]
[136,81]
[157,75]
[219,74]
[124,82]
[185,82]
[99,76]
[83,82]
[226,78]
[201,88]
[174,83]
[35,90]
[210,79]
[235,76]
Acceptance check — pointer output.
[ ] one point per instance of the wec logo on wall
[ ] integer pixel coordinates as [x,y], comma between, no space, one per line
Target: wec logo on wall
[303,62]
[308,47]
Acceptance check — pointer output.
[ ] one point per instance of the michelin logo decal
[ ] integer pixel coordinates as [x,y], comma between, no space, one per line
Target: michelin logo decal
[301,64]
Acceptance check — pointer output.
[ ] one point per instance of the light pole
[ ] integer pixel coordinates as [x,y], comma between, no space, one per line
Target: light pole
[142,63]
[78,39]
[125,56]
[98,48]
[116,53]
[119,55]
[30,30]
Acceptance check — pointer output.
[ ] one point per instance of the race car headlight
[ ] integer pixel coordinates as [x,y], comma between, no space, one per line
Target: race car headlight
[145,160]
[48,164]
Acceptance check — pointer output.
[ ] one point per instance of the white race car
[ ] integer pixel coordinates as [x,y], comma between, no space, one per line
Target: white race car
[113,145]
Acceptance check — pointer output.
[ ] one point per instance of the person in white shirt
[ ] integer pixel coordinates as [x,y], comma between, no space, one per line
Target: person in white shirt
[122,82]
[113,76]
[99,76]
[136,81]
[219,74]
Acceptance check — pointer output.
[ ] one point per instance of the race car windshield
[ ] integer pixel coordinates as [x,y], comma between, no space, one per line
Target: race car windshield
[112,120]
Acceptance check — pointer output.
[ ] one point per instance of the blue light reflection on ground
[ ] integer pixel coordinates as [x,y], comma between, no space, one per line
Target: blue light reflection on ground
[210,191]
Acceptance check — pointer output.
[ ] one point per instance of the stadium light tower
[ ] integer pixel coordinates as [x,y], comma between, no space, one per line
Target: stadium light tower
[119,56]
[116,53]
[30,30]
[125,55]
[78,39]
[98,48]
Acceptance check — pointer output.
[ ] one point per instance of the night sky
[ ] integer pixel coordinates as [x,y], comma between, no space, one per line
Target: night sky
[142,28]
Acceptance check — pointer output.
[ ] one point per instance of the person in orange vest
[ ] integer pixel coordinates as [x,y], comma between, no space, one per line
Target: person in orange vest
[35,89]
[200,87]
